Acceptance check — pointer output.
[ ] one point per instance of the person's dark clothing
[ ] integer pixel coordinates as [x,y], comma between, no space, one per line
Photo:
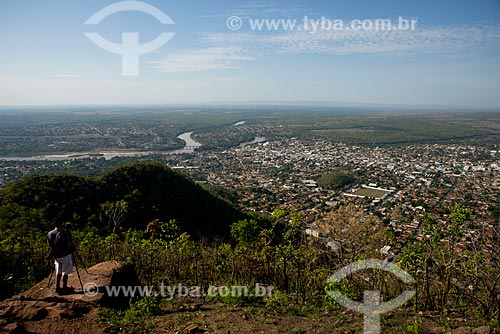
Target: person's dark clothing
[59,243]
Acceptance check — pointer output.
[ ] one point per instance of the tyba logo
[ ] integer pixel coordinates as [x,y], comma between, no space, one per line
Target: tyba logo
[371,306]
[130,49]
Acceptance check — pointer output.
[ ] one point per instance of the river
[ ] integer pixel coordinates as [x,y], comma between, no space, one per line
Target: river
[190,142]
[256,140]
[189,147]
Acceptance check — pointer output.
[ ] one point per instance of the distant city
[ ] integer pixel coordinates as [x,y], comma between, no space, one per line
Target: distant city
[264,164]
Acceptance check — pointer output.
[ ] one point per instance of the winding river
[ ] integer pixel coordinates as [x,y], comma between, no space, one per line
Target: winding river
[189,147]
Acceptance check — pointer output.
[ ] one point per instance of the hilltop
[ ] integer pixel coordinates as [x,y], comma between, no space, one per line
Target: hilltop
[151,191]
[127,198]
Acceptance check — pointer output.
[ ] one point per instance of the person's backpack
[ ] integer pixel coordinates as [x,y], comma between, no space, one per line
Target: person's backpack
[61,244]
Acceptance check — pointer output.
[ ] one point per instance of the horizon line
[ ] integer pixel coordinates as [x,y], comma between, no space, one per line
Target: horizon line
[262,103]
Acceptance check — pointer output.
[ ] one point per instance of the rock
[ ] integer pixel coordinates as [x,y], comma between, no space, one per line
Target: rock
[472,330]
[191,329]
[435,330]
[431,327]
[482,330]
[74,309]
[41,302]
[94,280]
[14,328]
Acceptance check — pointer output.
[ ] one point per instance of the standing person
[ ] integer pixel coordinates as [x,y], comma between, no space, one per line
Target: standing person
[61,249]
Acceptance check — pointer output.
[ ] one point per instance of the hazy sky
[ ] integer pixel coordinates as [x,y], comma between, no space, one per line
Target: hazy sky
[452,57]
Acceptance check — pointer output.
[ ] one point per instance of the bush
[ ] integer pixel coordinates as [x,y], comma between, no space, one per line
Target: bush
[133,320]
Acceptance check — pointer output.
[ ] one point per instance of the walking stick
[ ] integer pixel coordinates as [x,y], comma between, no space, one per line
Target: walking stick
[78,273]
[52,270]
[76,254]
[78,257]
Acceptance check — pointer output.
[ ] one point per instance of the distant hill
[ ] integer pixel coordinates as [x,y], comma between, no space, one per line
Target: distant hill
[151,191]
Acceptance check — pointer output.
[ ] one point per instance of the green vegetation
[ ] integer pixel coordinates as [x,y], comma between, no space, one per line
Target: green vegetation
[278,254]
[126,198]
[174,231]
[89,129]
[449,276]
[134,320]
[361,127]
[414,328]
[336,179]
[138,193]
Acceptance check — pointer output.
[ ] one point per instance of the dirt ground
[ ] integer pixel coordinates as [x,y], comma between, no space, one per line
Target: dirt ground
[196,317]
[40,310]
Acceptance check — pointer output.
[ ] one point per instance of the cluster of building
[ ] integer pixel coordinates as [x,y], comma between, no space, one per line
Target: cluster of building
[396,184]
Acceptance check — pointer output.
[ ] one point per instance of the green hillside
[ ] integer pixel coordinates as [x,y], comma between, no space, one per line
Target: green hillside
[150,191]
[139,194]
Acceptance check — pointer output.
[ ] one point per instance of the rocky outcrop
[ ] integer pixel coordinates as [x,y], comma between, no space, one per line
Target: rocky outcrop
[42,303]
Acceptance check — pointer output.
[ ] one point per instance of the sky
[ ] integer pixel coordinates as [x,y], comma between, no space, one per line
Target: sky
[318,51]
